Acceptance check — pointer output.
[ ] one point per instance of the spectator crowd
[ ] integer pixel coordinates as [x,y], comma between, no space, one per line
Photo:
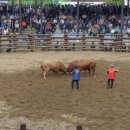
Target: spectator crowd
[93,19]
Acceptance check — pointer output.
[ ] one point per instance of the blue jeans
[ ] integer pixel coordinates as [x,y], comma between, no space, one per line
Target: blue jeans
[77,83]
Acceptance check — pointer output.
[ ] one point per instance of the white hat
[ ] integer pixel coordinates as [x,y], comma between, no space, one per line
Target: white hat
[111,65]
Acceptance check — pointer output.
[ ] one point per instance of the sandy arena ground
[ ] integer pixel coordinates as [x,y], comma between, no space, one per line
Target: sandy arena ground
[52,105]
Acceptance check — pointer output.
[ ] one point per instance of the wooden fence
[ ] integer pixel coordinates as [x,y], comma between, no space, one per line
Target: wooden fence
[17,42]
[23,127]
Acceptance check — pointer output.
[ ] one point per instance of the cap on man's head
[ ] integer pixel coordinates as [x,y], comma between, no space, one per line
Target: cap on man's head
[111,65]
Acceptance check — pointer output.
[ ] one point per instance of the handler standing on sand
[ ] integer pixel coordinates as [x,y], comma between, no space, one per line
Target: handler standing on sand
[111,75]
[75,77]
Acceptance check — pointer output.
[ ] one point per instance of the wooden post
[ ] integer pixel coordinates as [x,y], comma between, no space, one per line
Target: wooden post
[49,36]
[101,42]
[79,127]
[83,41]
[23,126]
[66,41]
[14,42]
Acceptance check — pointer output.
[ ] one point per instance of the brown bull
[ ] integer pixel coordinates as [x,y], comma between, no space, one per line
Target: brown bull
[55,66]
[82,64]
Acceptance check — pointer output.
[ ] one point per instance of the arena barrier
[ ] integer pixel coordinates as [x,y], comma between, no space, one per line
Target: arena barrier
[23,127]
[17,42]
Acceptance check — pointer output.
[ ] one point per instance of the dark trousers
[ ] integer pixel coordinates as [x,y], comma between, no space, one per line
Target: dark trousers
[110,83]
[77,83]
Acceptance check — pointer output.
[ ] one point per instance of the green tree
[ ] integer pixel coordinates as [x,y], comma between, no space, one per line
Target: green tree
[114,2]
[37,2]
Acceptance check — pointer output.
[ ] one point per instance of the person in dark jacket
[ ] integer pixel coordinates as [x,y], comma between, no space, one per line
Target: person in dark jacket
[75,77]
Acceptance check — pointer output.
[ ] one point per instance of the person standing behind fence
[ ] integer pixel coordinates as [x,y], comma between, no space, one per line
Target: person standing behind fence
[111,75]
[75,77]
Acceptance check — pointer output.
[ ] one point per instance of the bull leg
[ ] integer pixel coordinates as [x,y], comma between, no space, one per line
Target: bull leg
[89,71]
[44,75]
[93,72]
[45,72]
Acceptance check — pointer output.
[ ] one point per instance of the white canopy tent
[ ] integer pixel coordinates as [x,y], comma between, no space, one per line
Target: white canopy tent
[126,2]
[4,1]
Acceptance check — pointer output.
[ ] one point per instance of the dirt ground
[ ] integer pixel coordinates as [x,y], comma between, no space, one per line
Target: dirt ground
[51,104]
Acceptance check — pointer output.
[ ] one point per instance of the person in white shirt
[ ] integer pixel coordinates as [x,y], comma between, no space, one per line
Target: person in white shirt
[5,31]
[16,26]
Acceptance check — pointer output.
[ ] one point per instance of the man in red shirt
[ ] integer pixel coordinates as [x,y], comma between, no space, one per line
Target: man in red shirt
[111,75]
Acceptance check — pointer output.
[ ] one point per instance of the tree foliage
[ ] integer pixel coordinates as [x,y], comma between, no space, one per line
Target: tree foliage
[114,2]
[32,2]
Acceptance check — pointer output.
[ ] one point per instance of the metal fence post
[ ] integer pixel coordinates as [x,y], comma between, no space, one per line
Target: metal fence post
[23,126]
[41,12]
[122,15]
[79,127]
[20,16]
[128,2]
[77,17]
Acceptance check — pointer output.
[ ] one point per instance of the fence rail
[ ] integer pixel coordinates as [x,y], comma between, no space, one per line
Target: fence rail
[24,127]
[17,42]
